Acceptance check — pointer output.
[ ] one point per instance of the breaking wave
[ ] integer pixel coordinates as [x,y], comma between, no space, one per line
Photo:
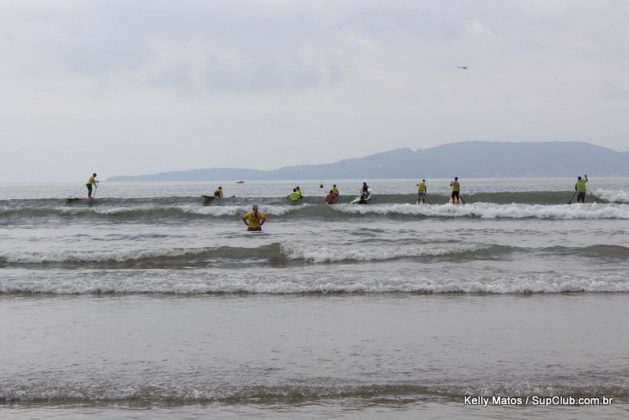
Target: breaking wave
[316,279]
[150,213]
[173,392]
[613,196]
[279,254]
[495,211]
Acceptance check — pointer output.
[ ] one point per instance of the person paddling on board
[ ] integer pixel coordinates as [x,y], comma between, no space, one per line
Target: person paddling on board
[299,191]
[295,196]
[335,190]
[422,190]
[331,197]
[580,188]
[91,183]
[456,188]
[254,219]
[219,192]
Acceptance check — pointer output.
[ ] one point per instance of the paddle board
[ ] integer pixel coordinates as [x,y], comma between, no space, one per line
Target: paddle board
[358,200]
[208,198]
[71,200]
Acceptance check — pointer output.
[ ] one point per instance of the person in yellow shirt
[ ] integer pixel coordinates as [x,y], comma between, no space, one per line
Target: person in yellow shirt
[91,184]
[254,219]
[456,189]
[422,190]
[335,190]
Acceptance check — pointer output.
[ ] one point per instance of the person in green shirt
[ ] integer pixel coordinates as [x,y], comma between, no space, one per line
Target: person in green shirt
[580,188]
[295,196]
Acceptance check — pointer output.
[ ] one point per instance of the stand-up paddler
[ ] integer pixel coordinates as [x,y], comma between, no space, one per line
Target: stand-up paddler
[581,188]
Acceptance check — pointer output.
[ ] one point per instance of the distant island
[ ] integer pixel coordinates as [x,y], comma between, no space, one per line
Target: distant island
[474,159]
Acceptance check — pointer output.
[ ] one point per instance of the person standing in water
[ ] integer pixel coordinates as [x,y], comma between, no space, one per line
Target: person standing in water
[456,189]
[91,184]
[335,190]
[331,197]
[580,188]
[254,219]
[422,190]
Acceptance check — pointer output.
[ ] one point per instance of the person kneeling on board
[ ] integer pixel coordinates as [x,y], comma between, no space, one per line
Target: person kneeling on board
[422,190]
[91,183]
[254,219]
[295,196]
[331,197]
[218,193]
[364,193]
[580,188]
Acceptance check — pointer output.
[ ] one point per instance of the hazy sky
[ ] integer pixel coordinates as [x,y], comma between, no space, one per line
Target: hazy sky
[131,87]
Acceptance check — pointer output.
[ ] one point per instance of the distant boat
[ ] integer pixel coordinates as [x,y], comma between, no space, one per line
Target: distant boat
[240,182]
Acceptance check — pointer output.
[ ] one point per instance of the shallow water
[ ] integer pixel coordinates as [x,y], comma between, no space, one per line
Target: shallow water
[309,353]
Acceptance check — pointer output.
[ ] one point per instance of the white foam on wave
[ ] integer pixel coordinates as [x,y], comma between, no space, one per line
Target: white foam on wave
[318,280]
[216,211]
[293,251]
[614,196]
[331,253]
[616,210]
[65,256]
[273,210]
[496,211]
[109,211]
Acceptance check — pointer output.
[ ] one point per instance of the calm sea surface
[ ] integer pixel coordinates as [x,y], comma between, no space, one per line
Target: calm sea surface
[150,303]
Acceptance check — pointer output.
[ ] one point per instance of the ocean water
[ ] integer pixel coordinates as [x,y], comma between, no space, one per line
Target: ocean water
[150,303]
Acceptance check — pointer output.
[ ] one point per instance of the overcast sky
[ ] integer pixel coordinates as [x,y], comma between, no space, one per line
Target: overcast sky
[133,87]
